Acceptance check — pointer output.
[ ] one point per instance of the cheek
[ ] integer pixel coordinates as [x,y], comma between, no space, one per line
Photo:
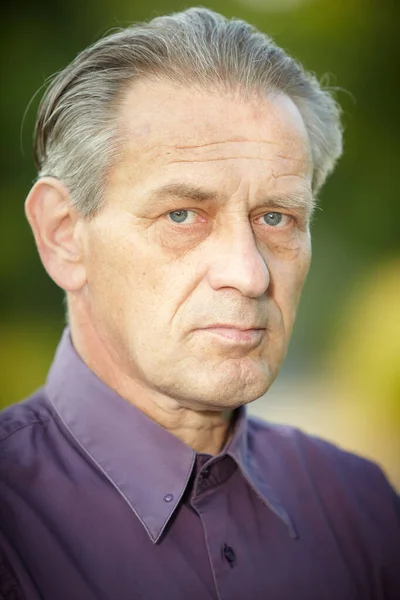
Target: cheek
[108,267]
[302,265]
[288,278]
[130,285]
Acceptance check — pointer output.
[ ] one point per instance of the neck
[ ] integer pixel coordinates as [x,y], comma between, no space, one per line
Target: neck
[206,431]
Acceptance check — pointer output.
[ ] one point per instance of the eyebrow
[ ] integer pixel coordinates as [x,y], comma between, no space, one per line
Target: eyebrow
[184,191]
[301,200]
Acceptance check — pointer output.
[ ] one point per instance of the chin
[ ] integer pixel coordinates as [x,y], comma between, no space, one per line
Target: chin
[241,395]
[228,391]
[216,385]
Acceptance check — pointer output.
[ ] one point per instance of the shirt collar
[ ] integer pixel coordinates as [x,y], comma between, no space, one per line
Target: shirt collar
[147,464]
[248,462]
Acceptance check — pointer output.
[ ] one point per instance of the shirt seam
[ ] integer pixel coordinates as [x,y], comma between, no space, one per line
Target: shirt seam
[36,422]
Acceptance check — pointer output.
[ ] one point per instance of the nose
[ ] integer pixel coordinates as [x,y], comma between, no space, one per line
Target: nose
[237,263]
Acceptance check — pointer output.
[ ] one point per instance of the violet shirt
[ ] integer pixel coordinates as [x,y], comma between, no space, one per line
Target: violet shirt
[98,502]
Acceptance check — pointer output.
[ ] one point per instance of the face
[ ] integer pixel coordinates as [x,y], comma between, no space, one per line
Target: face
[196,263]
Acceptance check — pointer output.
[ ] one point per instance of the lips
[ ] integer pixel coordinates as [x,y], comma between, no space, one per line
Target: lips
[236,334]
[234,326]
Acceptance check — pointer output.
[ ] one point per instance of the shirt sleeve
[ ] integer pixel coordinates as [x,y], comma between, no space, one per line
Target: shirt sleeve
[9,586]
[392,585]
[397,505]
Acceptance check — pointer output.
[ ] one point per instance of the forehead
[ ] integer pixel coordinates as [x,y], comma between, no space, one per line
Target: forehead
[166,126]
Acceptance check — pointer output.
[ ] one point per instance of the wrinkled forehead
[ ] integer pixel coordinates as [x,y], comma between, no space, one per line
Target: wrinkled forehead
[161,117]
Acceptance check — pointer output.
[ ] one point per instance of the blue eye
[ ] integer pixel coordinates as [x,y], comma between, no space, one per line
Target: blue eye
[178,216]
[273,218]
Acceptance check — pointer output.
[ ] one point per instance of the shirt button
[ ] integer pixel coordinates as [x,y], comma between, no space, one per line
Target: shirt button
[229,554]
[168,498]
[206,473]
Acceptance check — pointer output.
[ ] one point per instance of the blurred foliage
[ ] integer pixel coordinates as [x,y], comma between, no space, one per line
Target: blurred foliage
[369,335]
[353,46]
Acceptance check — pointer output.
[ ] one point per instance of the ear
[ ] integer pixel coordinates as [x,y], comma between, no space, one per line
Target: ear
[55,225]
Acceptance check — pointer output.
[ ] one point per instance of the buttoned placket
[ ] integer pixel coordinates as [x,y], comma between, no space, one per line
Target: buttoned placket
[210,503]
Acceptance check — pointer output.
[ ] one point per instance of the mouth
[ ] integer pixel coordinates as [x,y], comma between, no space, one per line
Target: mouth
[236,335]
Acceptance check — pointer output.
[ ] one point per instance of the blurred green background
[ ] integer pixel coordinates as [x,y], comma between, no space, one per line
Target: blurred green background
[341,379]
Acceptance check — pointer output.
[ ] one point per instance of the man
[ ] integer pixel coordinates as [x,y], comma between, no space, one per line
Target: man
[179,162]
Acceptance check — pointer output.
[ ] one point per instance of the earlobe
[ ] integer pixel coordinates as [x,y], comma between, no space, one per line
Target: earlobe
[54,222]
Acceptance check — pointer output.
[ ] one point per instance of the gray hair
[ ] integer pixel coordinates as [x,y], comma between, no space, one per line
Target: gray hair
[76,136]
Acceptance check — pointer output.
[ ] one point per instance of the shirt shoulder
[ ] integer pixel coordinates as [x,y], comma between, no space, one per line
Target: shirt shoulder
[338,477]
[317,454]
[33,411]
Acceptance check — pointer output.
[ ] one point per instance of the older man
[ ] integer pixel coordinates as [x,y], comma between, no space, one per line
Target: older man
[179,162]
